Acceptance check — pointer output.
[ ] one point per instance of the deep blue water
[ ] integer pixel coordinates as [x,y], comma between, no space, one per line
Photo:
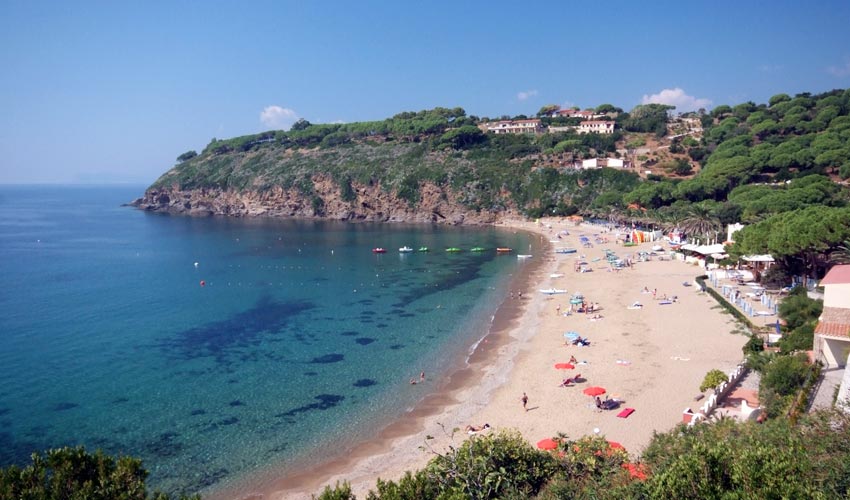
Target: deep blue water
[300,337]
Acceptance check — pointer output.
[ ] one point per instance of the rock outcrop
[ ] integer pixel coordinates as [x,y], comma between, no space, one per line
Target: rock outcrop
[369,203]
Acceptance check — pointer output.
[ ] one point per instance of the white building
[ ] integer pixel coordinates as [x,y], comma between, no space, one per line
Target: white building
[587,114]
[732,229]
[596,127]
[513,127]
[832,334]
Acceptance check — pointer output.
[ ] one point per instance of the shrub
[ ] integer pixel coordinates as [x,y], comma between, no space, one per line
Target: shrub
[785,374]
[74,473]
[490,466]
[754,345]
[338,492]
[712,379]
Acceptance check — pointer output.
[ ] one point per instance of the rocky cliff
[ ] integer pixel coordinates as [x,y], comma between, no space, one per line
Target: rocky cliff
[369,203]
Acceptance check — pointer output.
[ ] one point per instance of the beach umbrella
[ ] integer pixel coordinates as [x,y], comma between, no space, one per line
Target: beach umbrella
[547,444]
[594,391]
[564,366]
[571,335]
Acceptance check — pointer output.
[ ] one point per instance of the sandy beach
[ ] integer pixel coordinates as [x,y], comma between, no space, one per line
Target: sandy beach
[652,359]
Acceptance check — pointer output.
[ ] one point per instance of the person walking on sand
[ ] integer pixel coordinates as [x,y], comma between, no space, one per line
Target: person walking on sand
[524,400]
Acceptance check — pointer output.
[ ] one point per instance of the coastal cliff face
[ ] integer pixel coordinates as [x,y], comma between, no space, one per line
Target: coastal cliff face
[369,203]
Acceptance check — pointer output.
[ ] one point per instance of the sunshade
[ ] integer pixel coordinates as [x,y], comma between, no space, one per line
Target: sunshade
[594,391]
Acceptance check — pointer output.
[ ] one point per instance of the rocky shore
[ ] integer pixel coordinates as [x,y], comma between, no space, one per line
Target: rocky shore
[369,203]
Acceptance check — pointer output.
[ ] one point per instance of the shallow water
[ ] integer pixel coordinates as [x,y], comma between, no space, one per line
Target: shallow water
[300,338]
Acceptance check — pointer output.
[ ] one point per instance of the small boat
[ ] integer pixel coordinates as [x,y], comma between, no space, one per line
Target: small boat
[504,250]
[453,249]
[422,249]
[552,291]
[556,275]
[379,250]
[523,256]
[405,250]
[565,250]
[477,249]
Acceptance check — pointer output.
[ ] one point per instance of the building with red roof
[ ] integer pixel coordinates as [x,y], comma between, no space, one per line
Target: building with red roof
[832,334]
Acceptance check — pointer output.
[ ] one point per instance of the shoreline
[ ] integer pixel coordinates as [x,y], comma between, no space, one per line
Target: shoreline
[653,359]
[399,441]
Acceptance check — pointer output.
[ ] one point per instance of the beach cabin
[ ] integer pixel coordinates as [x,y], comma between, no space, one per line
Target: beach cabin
[832,334]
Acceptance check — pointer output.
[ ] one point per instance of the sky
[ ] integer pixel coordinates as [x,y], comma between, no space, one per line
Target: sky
[113,92]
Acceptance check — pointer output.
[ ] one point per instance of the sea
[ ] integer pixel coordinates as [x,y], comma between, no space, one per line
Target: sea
[216,348]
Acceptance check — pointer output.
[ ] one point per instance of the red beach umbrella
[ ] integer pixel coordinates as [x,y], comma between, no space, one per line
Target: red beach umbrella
[547,444]
[564,366]
[594,391]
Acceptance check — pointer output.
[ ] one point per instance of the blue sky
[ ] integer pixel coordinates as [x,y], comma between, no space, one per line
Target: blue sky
[115,91]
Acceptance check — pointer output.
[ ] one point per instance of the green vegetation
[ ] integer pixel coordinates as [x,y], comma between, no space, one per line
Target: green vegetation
[724,459]
[712,379]
[73,473]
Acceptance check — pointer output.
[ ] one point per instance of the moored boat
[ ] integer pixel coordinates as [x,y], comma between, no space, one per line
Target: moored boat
[504,250]
[453,250]
[422,249]
[405,249]
[523,256]
[379,250]
[552,291]
[477,249]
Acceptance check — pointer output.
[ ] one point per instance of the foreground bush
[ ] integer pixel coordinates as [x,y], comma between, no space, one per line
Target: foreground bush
[723,459]
[73,473]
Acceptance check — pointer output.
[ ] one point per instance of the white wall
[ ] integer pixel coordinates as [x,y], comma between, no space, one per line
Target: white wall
[834,352]
[843,399]
[837,296]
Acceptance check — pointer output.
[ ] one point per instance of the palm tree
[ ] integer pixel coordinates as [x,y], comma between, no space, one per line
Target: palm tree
[700,221]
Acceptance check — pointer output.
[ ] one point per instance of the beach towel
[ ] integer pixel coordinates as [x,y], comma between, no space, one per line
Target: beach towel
[626,412]
[664,302]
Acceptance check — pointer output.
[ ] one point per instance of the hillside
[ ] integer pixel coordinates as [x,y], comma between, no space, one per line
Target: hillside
[438,166]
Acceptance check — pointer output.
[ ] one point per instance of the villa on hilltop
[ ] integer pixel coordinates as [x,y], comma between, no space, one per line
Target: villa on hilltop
[534,126]
[513,127]
[596,126]
[587,114]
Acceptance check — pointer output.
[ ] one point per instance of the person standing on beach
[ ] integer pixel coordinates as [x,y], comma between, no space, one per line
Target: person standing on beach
[524,400]
[558,310]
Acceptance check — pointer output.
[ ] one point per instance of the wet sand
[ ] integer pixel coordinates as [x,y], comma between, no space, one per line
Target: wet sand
[652,358]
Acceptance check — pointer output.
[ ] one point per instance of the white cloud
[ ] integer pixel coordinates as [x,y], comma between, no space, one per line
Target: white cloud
[677,97]
[277,117]
[526,94]
[839,71]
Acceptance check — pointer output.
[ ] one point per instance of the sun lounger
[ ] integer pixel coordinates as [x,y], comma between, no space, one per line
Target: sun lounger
[626,412]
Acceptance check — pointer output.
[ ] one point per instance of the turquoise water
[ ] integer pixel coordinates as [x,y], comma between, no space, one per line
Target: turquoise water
[300,338]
